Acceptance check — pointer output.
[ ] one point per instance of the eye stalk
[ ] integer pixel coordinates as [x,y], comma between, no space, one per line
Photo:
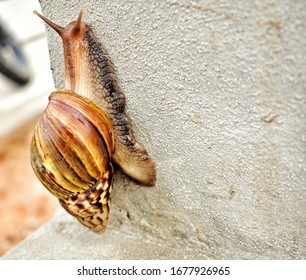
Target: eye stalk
[57,28]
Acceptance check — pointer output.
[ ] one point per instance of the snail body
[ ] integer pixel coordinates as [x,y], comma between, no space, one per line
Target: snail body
[84,131]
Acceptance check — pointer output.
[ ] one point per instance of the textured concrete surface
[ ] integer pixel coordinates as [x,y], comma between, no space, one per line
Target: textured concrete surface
[216,91]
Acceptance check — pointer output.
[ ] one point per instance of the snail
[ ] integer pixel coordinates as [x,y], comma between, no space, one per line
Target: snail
[84,133]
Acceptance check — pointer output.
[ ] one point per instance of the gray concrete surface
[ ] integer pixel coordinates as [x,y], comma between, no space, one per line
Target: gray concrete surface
[216,91]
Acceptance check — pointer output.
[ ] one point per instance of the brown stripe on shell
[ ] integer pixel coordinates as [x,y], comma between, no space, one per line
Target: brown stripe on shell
[72,167]
[42,171]
[80,134]
[54,179]
[58,154]
[91,112]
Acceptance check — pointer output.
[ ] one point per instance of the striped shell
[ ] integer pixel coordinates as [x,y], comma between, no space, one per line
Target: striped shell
[71,154]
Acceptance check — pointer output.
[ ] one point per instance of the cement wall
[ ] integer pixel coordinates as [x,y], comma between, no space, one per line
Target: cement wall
[216,91]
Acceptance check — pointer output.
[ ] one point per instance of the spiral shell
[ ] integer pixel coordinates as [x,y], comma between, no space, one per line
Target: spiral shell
[71,150]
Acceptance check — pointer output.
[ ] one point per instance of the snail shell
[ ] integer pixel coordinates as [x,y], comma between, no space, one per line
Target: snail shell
[71,152]
[84,130]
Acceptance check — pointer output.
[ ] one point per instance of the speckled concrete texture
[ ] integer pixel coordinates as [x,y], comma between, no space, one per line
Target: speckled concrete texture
[216,91]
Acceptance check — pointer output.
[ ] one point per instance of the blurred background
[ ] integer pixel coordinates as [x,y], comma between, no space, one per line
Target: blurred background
[24,204]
